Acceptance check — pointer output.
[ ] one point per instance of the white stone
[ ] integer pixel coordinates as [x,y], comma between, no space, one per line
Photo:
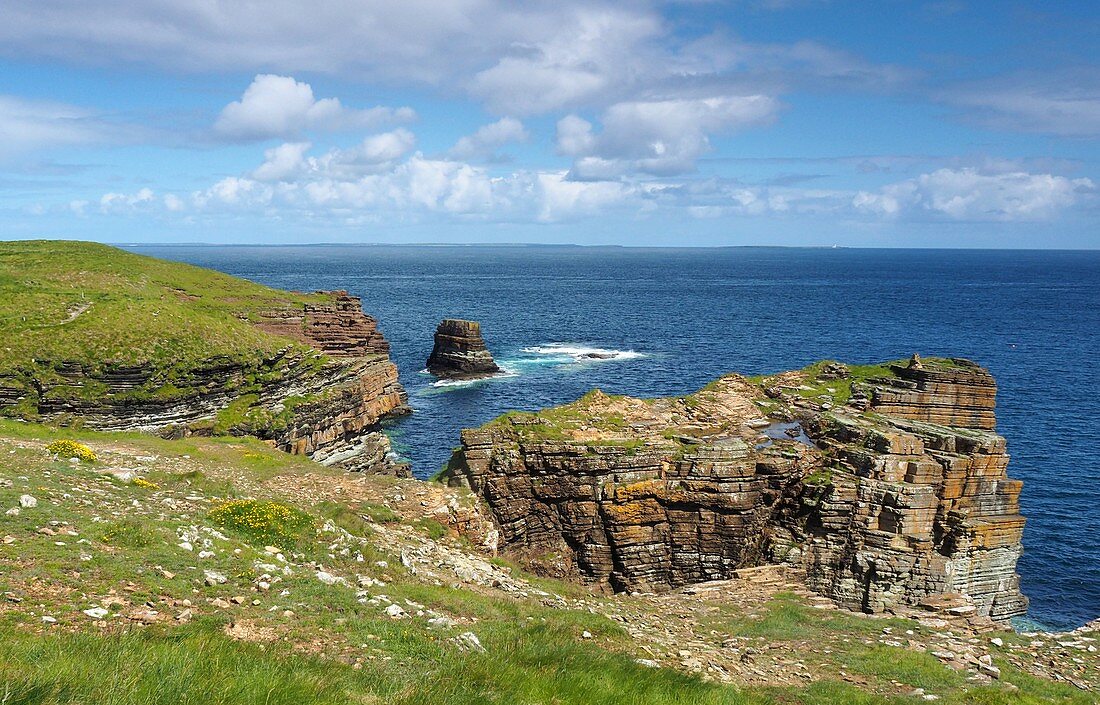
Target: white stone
[441,622]
[395,611]
[28,502]
[327,578]
[214,578]
[470,641]
[96,612]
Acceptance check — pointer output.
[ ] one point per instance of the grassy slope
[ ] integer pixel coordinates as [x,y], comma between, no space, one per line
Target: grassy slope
[334,648]
[139,309]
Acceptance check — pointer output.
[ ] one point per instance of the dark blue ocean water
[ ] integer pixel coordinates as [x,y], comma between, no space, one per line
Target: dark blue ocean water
[1033,318]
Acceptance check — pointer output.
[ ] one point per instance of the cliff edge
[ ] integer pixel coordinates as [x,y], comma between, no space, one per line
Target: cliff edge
[884,484]
[110,340]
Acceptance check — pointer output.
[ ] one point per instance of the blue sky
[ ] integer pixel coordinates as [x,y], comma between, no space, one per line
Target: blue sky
[789,122]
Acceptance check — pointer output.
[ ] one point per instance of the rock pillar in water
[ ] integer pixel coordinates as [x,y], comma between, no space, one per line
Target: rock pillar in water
[460,352]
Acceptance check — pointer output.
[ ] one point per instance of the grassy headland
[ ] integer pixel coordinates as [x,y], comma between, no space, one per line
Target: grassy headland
[93,304]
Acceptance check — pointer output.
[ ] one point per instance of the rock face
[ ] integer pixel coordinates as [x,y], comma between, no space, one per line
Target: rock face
[340,328]
[886,485]
[459,351]
[325,400]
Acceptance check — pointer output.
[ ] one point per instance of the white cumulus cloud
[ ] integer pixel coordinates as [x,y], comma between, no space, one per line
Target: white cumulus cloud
[661,137]
[290,162]
[280,106]
[969,194]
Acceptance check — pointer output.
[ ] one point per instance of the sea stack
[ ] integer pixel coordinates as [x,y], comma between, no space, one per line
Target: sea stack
[460,352]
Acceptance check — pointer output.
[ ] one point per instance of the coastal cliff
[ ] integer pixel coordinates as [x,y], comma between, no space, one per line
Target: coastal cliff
[884,485]
[109,340]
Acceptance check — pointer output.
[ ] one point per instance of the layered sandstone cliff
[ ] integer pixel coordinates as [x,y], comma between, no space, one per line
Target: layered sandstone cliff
[887,485]
[323,394]
[460,352]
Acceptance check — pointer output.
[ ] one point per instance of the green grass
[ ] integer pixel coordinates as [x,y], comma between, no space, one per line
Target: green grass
[125,544]
[556,423]
[103,308]
[189,665]
[140,309]
[126,533]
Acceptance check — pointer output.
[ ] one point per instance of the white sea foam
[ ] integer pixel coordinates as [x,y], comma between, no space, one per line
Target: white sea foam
[470,382]
[582,353]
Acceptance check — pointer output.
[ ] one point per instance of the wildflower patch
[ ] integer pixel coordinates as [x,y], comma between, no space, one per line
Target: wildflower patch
[262,523]
[71,449]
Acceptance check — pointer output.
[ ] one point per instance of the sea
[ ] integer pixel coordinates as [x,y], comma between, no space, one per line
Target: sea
[667,321]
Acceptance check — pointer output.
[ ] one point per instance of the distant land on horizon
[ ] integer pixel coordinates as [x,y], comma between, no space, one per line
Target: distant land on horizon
[576,245]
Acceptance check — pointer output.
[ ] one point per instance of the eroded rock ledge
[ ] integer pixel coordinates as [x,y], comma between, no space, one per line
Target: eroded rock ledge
[885,484]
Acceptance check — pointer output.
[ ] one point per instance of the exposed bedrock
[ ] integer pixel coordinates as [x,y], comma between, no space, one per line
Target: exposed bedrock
[339,328]
[886,484]
[460,352]
[324,397]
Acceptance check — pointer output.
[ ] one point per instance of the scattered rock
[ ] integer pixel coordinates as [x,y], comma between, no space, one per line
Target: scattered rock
[441,622]
[329,578]
[469,642]
[96,612]
[212,578]
[27,502]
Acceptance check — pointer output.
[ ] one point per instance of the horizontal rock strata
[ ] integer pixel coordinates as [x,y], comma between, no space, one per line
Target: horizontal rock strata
[339,329]
[459,351]
[886,491]
[325,400]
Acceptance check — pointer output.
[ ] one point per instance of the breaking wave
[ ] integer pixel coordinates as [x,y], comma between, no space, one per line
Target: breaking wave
[581,353]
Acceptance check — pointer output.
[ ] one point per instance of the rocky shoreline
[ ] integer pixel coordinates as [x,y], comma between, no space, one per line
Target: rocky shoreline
[892,493]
